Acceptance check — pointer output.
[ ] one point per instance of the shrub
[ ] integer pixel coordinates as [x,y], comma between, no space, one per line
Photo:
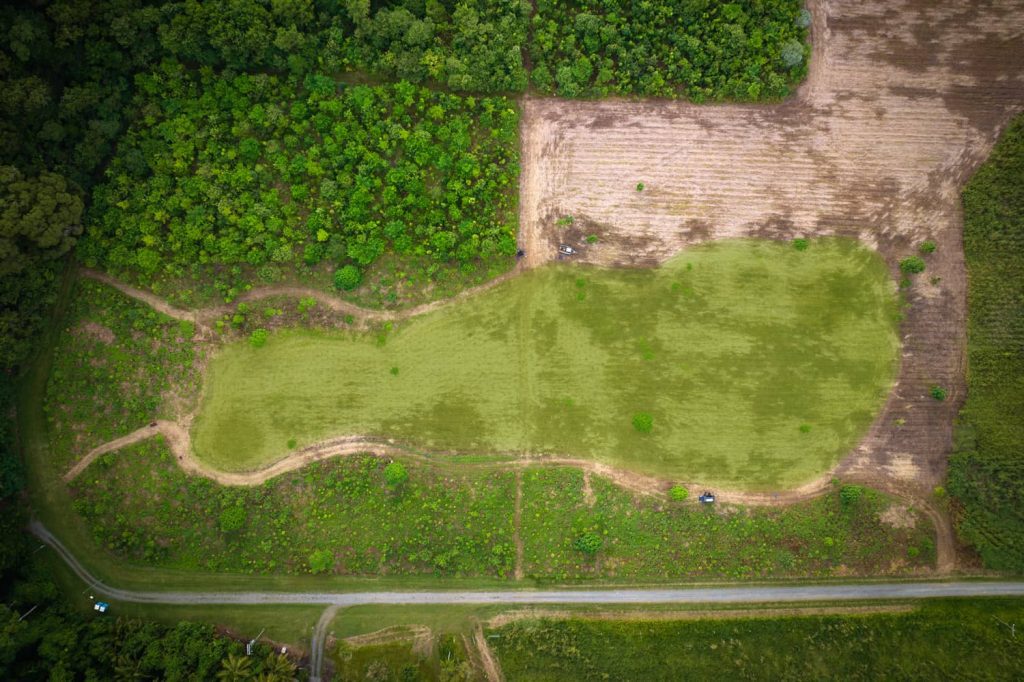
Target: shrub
[394,371]
[803,18]
[395,474]
[801,244]
[588,543]
[912,265]
[292,443]
[258,338]
[639,187]
[347,278]
[928,247]
[678,493]
[805,428]
[591,238]
[849,495]
[643,422]
[937,392]
[232,519]
[320,561]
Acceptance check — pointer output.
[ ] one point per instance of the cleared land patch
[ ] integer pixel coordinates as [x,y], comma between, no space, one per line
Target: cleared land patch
[759,365]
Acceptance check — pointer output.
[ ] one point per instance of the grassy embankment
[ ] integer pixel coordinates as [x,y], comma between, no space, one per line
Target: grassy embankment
[759,364]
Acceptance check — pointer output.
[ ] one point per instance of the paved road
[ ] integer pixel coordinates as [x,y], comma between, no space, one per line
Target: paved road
[738,594]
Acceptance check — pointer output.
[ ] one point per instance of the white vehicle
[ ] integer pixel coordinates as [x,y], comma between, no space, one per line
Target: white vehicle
[566,250]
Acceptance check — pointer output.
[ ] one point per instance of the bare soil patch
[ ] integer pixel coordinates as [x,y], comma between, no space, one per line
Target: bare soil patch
[95,330]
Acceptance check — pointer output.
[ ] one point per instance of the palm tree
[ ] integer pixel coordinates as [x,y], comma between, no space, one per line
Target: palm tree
[235,668]
[280,668]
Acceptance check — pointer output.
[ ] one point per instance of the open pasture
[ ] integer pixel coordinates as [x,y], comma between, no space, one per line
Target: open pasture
[759,365]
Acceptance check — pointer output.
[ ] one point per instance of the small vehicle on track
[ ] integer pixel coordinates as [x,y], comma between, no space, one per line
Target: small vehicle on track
[566,250]
[707,498]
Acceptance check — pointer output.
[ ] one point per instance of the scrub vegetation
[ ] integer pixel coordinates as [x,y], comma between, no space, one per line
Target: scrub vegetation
[678,371]
[114,361]
[345,516]
[986,475]
[943,639]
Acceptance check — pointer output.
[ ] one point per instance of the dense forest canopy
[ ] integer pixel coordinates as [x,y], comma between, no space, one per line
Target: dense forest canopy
[277,172]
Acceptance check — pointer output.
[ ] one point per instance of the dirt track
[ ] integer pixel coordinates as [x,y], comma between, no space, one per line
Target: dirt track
[903,102]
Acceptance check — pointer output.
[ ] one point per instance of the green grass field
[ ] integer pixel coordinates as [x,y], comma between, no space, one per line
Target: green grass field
[760,365]
[943,639]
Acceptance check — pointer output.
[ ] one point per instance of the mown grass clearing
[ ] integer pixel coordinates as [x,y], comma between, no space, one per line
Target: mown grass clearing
[759,365]
[944,639]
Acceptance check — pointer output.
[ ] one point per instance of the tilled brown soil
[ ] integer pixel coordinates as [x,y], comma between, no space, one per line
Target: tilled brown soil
[904,100]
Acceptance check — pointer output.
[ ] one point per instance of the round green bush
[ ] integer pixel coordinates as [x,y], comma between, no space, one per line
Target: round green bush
[395,474]
[928,247]
[912,265]
[937,392]
[232,519]
[347,278]
[643,422]
[678,493]
[258,338]
[801,244]
[320,561]
[588,543]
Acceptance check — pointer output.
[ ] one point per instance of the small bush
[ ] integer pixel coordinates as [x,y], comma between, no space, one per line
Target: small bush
[937,392]
[591,238]
[232,519]
[803,18]
[292,443]
[928,247]
[395,474]
[643,422]
[678,493]
[849,496]
[320,561]
[258,338]
[639,187]
[912,265]
[801,244]
[394,371]
[347,278]
[588,543]
[805,428]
